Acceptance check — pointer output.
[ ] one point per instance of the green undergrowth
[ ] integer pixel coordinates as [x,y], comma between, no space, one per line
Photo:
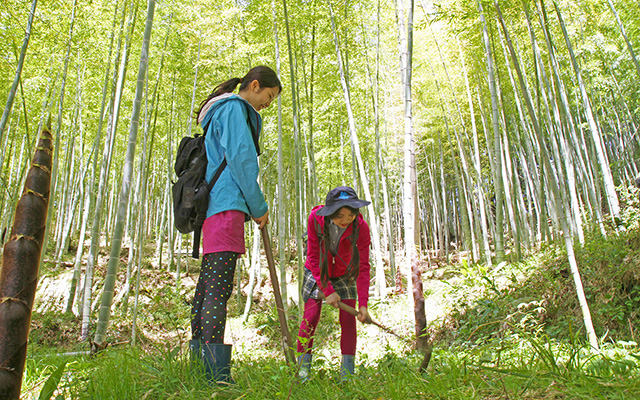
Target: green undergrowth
[538,294]
[519,366]
[509,331]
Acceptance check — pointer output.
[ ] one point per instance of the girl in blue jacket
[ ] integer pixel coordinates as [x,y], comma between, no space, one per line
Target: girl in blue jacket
[232,125]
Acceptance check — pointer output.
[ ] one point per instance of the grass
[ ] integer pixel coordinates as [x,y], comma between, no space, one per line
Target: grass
[514,362]
[515,367]
[508,332]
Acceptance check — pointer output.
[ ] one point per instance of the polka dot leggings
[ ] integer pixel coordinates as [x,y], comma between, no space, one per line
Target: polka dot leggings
[209,312]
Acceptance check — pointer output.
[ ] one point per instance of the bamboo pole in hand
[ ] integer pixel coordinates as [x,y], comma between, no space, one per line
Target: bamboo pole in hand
[369,320]
[284,328]
[427,351]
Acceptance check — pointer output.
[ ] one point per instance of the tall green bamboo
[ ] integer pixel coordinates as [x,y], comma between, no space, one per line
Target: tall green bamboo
[281,190]
[603,162]
[380,278]
[102,195]
[579,145]
[497,168]
[554,186]
[169,175]
[57,134]
[299,198]
[151,112]
[16,80]
[116,243]
[195,86]
[463,180]
[624,35]
[90,194]
[478,187]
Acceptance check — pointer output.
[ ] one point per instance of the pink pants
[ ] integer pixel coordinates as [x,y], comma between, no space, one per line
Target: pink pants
[310,321]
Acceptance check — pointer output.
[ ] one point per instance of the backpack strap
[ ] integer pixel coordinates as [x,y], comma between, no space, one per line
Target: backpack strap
[197,233]
[254,132]
[196,243]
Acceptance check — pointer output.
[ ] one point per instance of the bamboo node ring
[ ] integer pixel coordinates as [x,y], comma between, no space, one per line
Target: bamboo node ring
[42,167]
[14,299]
[25,237]
[29,191]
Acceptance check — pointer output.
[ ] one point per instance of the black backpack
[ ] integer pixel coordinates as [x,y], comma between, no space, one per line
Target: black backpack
[191,190]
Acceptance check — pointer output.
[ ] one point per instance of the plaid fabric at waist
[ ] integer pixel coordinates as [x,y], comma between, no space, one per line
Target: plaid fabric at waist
[345,289]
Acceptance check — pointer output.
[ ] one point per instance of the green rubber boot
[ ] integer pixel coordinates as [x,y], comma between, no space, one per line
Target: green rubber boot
[217,363]
[347,367]
[215,358]
[304,361]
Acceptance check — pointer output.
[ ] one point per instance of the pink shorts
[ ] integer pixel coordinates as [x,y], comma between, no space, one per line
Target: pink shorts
[224,232]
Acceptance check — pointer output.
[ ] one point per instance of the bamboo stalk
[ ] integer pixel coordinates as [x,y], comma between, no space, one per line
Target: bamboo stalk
[20,264]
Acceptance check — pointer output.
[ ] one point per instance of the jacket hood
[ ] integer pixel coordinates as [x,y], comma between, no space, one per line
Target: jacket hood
[217,101]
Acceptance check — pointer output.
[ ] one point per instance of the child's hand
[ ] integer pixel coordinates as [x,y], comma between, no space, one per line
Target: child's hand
[262,221]
[364,316]
[333,299]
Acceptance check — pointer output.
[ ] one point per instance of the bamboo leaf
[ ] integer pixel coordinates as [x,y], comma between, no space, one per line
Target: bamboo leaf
[52,382]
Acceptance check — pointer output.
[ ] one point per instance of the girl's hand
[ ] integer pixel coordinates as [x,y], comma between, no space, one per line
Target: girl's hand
[333,299]
[262,221]
[364,316]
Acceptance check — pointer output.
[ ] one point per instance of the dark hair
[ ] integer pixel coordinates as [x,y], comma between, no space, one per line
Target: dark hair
[353,269]
[354,211]
[266,77]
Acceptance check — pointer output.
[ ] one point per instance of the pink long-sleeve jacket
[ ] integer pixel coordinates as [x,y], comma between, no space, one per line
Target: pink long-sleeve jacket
[338,264]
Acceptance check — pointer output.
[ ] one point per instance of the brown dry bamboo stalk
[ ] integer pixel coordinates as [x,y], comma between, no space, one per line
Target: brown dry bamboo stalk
[20,264]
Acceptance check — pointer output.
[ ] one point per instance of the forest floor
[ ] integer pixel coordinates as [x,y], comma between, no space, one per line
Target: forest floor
[511,330]
[253,336]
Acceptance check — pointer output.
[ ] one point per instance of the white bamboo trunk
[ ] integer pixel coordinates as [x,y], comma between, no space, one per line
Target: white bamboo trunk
[554,192]
[116,244]
[610,190]
[497,169]
[375,236]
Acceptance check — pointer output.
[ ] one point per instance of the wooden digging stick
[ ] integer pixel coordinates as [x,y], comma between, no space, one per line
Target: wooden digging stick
[369,320]
[427,351]
[284,328]
[355,313]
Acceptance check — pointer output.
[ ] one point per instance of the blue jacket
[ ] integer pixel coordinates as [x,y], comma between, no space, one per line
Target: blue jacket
[230,136]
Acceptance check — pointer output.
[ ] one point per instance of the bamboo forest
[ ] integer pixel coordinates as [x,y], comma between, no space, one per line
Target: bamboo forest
[493,147]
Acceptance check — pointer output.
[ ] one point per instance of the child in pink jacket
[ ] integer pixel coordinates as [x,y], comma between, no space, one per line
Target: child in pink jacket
[337,269]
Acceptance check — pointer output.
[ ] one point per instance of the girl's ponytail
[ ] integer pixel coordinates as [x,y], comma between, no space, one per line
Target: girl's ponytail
[265,76]
[227,86]
[353,269]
